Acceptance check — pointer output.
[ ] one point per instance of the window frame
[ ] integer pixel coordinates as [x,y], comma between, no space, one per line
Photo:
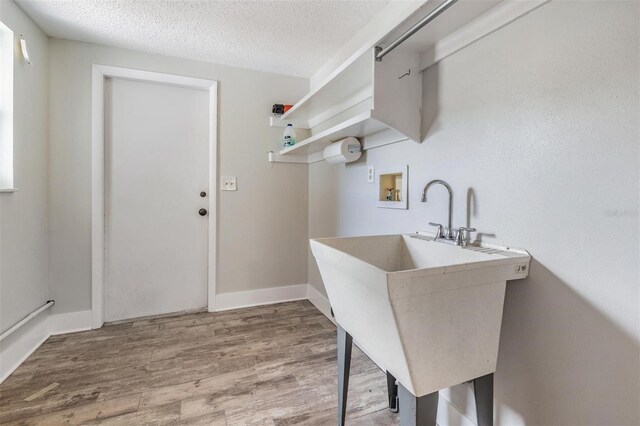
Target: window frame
[7,53]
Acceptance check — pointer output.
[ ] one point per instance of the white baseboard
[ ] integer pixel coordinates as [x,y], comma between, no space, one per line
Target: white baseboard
[15,349]
[320,301]
[70,322]
[266,296]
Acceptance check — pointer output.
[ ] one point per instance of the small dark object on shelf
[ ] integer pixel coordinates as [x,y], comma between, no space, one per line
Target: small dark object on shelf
[277,109]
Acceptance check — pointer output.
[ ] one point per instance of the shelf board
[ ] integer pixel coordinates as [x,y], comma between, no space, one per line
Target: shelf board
[279,122]
[341,84]
[359,126]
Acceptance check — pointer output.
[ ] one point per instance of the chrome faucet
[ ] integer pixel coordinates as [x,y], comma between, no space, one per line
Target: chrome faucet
[448,232]
[460,235]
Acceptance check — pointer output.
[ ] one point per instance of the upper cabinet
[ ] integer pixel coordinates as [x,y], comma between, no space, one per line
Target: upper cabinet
[380,101]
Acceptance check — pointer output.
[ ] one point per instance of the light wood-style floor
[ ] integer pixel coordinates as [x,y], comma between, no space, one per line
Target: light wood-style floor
[271,365]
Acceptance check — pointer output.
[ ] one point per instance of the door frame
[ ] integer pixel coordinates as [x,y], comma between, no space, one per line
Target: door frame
[99,74]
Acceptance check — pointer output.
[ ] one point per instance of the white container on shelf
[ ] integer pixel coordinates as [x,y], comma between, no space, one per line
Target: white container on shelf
[289,136]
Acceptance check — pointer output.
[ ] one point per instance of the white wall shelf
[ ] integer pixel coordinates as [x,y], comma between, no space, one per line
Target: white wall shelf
[359,126]
[274,157]
[296,123]
[351,80]
[380,102]
[365,99]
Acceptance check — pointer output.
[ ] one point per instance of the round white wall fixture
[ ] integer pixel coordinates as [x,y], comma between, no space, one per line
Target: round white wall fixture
[343,151]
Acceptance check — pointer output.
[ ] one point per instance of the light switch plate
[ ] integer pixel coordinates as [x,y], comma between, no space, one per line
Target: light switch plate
[229,183]
[371,174]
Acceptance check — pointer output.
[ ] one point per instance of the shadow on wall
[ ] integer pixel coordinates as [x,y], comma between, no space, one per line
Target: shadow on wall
[472,211]
[561,361]
[581,368]
[431,102]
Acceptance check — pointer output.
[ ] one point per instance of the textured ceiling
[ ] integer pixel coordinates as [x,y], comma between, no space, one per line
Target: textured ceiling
[292,37]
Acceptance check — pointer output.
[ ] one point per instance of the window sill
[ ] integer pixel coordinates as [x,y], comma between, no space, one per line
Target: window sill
[8,190]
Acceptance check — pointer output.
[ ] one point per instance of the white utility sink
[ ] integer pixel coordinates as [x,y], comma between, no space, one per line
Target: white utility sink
[427,312]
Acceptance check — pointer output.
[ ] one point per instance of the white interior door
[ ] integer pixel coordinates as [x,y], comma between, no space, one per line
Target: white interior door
[156,166]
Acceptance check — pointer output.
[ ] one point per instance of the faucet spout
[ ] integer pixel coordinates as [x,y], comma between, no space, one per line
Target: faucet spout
[449,231]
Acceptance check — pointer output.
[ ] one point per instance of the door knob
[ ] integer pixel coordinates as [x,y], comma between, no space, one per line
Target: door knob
[203,194]
[202,212]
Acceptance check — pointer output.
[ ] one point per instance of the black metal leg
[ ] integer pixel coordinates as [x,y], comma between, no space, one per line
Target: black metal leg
[483,391]
[392,391]
[345,343]
[417,411]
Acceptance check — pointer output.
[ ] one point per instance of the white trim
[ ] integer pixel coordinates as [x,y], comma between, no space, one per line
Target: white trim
[156,77]
[99,73]
[97,197]
[265,296]
[404,170]
[496,18]
[6,372]
[15,349]
[320,301]
[70,322]
[7,46]
[5,334]
[212,256]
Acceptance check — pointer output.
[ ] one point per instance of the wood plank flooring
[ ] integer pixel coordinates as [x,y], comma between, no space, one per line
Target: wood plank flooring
[271,365]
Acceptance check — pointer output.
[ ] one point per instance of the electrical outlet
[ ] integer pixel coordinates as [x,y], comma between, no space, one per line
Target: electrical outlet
[371,174]
[229,183]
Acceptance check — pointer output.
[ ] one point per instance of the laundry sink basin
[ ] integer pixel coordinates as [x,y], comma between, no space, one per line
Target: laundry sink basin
[427,312]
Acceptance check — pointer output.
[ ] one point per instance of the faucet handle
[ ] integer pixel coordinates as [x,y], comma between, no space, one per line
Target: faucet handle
[439,232]
[460,236]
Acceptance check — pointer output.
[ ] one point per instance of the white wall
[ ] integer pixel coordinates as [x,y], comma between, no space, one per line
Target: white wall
[537,129]
[23,214]
[262,227]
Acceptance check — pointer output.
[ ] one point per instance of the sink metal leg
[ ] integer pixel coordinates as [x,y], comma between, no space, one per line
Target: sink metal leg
[345,343]
[392,392]
[417,411]
[483,391]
